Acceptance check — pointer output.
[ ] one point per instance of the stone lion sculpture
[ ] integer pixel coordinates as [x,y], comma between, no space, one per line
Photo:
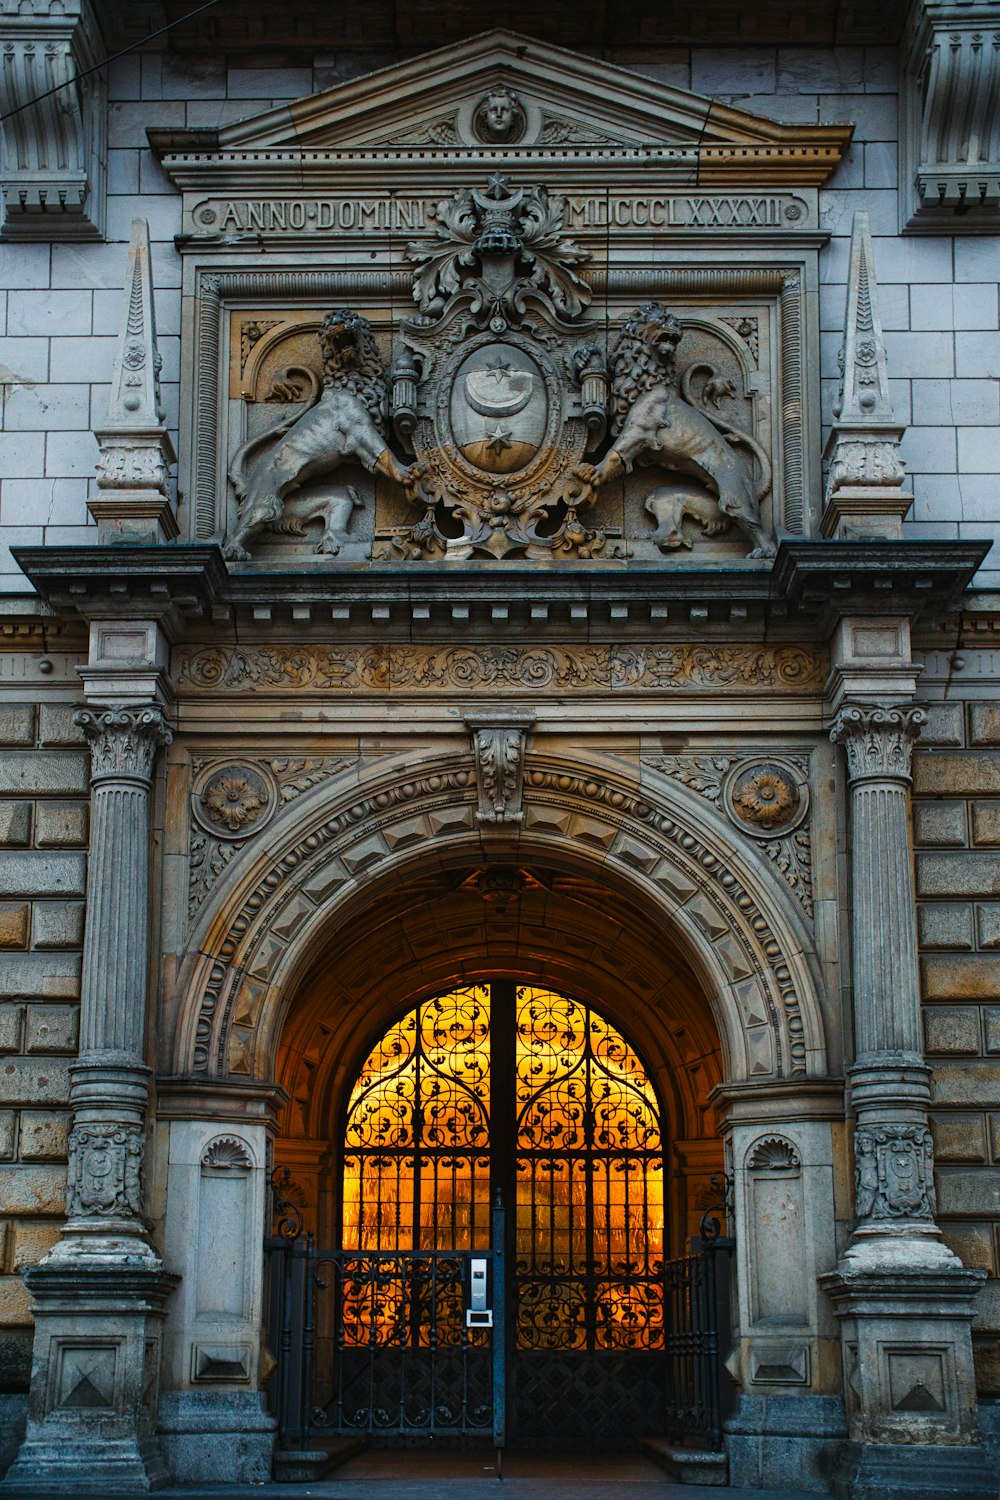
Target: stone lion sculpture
[652,423]
[344,422]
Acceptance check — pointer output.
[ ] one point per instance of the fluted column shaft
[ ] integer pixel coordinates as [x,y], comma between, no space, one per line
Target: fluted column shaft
[890,1089]
[109,1088]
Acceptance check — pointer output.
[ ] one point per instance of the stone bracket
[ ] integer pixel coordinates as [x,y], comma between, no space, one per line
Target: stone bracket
[53,173]
[949,138]
[498,744]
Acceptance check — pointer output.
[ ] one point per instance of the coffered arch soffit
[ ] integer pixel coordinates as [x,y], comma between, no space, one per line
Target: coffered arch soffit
[704,892]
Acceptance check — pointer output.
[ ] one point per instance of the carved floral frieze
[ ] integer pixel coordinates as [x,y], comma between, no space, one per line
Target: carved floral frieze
[462,669]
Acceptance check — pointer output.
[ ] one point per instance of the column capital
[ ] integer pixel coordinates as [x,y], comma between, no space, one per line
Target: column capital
[878,739]
[123,741]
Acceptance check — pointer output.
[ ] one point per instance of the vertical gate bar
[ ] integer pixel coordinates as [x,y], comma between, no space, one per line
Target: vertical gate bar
[308,1337]
[286,1342]
[499,1230]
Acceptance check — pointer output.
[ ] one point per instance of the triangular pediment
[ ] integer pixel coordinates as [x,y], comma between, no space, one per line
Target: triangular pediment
[562,102]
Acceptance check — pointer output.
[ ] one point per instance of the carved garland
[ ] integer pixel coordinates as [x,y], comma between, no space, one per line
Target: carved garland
[708,872]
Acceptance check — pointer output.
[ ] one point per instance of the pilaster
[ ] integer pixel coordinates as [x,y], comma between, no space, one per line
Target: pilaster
[54,158]
[949,135]
[905,1302]
[99,1295]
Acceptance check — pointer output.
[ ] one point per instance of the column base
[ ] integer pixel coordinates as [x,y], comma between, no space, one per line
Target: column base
[917,1471]
[92,1404]
[60,1464]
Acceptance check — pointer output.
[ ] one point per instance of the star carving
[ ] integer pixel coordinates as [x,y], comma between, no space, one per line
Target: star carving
[498,439]
[499,369]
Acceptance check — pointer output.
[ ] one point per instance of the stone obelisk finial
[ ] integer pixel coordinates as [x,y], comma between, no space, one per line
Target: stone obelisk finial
[864,495]
[132,503]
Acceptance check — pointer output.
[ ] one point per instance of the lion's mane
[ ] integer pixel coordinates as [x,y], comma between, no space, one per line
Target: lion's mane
[357,365]
[638,362]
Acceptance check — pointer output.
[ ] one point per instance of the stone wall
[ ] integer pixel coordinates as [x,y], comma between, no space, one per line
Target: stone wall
[957,828]
[939,296]
[44,806]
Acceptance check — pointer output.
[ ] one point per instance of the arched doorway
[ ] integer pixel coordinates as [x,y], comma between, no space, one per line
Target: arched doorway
[516,1105]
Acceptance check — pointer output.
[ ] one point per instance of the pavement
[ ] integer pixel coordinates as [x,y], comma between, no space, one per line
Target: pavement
[473,1476]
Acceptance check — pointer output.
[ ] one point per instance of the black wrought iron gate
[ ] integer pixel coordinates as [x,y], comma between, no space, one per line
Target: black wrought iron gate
[398,1344]
[415,1344]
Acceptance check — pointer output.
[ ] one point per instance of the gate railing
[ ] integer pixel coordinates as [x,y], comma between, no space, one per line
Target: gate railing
[697,1329]
[387,1342]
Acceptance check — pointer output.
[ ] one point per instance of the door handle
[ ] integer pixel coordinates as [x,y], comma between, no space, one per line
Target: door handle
[478,1315]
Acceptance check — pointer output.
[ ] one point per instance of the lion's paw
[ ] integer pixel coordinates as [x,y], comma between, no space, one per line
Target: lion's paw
[233,552]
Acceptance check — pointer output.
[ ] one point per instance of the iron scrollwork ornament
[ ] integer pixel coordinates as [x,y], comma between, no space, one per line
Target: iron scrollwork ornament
[710,1227]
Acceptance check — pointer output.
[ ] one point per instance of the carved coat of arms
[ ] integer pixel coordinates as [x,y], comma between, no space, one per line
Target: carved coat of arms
[512,406]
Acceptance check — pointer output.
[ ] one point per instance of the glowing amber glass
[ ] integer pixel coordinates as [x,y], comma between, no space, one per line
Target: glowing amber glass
[584,1158]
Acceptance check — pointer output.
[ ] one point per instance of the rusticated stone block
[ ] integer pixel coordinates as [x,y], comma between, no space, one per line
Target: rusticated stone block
[945,724]
[44,772]
[988,925]
[986,1353]
[956,1138]
[54,976]
[56,727]
[940,824]
[32,1241]
[53,874]
[8,1133]
[970,1085]
[968,1192]
[961,977]
[33,1190]
[52,1028]
[958,875]
[973,1244]
[951,1030]
[15,1302]
[61,825]
[994,1129]
[45,1134]
[57,924]
[988,1307]
[29,1080]
[948,925]
[17,724]
[15,824]
[986,822]
[985,723]
[13,924]
[957,773]
[991,1029]
[10,1029]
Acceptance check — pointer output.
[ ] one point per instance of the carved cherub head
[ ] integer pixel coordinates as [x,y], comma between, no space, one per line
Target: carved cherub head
[499,117]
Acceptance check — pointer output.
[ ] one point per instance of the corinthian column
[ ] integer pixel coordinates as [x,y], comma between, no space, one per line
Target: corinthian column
[890,1083]
[904,1300]
[109,1082]
[99,1294]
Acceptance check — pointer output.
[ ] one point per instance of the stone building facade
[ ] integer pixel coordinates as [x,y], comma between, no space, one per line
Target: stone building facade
[502,514]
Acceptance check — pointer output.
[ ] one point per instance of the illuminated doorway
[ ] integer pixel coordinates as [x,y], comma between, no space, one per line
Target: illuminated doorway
[518,1096]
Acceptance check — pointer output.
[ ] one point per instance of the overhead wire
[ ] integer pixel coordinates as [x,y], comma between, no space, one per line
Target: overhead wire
[105,62]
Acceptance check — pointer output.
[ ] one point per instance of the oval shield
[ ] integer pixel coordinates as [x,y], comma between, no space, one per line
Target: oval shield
[499,408]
